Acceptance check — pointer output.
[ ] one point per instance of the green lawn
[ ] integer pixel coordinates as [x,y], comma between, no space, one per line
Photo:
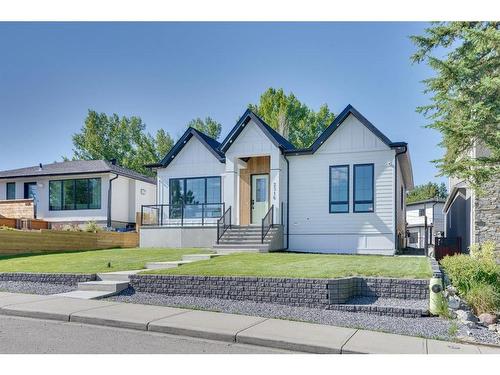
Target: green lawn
[91,261]
[306,266]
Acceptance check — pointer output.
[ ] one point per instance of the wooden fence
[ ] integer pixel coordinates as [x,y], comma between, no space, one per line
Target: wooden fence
[20,242]
[24,223]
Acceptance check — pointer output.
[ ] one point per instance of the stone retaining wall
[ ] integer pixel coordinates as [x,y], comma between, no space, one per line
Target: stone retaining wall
[53,278]
[294,292]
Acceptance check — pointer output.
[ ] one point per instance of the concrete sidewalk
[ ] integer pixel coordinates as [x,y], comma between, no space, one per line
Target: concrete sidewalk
[273,333]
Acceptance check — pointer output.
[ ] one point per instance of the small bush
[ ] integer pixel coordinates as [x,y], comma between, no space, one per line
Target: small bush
[92,227]
[5,227]
[71,228]
[483,298]
[467,272]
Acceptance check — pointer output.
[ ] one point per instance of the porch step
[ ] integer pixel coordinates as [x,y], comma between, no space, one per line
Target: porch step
[195,257]
[111,286]
[241,247]
[117,276]
[165,265]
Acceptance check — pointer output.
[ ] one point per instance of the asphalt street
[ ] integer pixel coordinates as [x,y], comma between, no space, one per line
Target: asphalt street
[32,336]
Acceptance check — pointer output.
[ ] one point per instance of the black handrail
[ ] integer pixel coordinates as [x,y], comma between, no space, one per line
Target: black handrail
[267,223]
[223,223]
[181,214]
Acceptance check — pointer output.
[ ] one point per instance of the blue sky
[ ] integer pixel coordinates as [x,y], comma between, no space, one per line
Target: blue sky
[169,73]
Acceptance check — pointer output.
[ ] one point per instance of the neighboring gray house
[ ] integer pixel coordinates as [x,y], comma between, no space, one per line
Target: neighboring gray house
[77,192]
[424,221]
[472,217]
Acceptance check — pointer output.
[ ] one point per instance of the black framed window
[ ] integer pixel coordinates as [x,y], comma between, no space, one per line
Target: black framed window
[339,189]
[78,194]
[10,190]
[197,196]
[363,187]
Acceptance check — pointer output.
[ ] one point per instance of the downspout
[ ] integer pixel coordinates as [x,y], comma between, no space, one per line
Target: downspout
[396,195]
[108,224]
[287,201]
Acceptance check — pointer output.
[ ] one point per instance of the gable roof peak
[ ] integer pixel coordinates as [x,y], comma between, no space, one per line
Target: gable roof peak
[277,139]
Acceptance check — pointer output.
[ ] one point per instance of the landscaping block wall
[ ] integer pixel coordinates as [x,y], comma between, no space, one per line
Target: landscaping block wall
[53,278]
[295,292]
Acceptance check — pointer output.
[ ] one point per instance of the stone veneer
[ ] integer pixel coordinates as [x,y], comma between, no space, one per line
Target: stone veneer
[487,213]
[53,278]
[295,292]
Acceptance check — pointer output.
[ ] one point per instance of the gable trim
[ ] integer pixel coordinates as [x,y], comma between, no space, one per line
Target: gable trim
[349,110]
[188,134]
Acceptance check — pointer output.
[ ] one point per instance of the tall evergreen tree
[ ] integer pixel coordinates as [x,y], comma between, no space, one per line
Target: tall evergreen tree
[465,101]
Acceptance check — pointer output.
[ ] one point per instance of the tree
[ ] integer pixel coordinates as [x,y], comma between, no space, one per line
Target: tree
[208,126]
[427,191]
[291,118]
[121,138]
[465,102]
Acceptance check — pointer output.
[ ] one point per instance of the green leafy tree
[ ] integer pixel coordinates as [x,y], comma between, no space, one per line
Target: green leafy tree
[427,191]
[208,126]
[121,138]
[465,101]
[294,120]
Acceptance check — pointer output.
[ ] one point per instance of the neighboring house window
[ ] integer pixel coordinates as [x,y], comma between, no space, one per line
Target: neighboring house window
[339,189]
[413,237]
[402,197]
[11,190]
[363,188]
[195,197]
[421,212]
[80,194]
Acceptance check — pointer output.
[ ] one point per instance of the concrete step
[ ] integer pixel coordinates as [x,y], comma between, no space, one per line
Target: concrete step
[86,294]
[165,265]
[195,257]
[254,247]
[118,275]
[104,286]
[233,251]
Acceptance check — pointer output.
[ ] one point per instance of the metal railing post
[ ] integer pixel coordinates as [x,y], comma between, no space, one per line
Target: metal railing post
[142,215]
[182,214]
[161,215]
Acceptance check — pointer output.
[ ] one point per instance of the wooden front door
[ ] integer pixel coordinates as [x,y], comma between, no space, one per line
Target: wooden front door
[257,165]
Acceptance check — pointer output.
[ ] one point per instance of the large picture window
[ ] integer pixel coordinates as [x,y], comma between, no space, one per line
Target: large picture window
[79,194]
[11,190]
[339,189]
[363,188]
[195,197]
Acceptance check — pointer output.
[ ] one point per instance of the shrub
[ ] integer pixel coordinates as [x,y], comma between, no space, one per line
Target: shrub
[71,228]
[5,227]
[92,227]
[467,272]
[483,298]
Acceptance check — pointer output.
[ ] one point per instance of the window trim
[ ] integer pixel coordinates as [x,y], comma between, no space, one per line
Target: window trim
[7,190]
[170,180]
[354,201]
[330,202]
[74,194]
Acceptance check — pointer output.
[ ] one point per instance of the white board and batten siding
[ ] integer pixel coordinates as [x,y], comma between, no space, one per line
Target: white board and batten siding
[194,160]
[312,227]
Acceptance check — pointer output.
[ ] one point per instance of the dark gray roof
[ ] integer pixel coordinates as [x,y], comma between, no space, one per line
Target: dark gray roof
[75,167]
